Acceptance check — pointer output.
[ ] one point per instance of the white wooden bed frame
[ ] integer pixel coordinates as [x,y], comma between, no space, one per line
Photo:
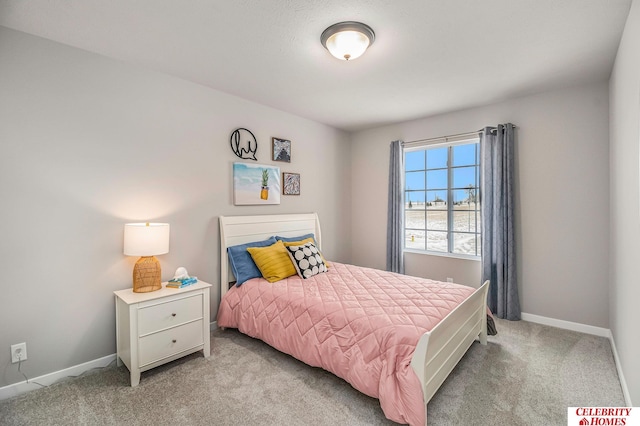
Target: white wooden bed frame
[438,351]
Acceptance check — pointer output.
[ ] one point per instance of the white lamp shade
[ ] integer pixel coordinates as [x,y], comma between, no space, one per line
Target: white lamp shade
[347,45]
[146,239]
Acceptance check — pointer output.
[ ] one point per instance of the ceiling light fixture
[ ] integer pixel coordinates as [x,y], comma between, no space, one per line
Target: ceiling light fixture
[347,40]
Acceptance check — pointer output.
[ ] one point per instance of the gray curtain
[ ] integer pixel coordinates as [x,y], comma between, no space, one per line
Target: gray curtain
[497,204]
[395,210]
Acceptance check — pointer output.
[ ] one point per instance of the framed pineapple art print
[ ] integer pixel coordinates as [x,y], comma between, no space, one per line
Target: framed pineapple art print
[255,184]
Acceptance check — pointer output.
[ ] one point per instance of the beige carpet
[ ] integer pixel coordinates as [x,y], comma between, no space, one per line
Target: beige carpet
[527,375]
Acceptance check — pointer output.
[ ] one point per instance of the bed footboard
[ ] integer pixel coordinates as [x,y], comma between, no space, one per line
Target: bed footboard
[439,350]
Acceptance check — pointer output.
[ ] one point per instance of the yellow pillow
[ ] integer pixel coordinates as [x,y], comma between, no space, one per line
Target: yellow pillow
[273,261]
[303,242]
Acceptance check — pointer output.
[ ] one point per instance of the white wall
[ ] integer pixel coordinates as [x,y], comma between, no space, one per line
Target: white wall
[562,177]
[462,271]
[87,144]
[624,315]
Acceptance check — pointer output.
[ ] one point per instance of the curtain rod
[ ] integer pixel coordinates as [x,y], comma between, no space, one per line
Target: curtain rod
[445,138]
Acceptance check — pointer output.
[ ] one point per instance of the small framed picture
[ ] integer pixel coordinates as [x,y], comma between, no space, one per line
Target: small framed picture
[290,183]
[281,149]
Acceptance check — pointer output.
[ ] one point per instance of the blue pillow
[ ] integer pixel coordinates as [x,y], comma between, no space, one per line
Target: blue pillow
[300,238]
[242,265]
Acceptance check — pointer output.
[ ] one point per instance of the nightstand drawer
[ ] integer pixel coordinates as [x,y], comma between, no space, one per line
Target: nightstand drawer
[157,346]
[169,314]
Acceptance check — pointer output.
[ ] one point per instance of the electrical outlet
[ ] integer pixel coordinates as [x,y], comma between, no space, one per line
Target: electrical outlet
[18,352]
[449,280]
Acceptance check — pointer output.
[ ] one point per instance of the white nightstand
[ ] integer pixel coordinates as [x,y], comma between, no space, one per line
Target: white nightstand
[160,326]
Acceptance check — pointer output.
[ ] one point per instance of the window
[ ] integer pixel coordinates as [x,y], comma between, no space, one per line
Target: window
[442,209]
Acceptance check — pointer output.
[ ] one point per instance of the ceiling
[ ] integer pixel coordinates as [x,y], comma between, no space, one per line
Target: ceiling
[429,56]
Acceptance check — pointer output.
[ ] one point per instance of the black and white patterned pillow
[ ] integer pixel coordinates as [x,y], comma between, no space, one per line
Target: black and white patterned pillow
[307,260]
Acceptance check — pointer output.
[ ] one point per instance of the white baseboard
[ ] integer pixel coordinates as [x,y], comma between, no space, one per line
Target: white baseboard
[49,379]
[213,326]
[567,325]
[623,382]
[588,329]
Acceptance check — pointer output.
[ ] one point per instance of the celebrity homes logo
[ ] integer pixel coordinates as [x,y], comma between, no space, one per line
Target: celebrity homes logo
[603,416]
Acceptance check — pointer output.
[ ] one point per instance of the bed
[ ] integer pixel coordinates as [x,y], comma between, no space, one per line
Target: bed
[401,362]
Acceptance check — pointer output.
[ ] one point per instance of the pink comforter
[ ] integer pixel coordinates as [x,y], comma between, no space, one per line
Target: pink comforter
[360,324]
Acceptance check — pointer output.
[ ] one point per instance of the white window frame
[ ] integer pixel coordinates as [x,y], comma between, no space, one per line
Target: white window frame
[448,142]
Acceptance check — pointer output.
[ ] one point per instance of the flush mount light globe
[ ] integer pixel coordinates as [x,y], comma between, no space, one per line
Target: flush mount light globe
[347,40]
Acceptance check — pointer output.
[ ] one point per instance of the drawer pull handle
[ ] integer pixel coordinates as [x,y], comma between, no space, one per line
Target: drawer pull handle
[174,340]
[173,315]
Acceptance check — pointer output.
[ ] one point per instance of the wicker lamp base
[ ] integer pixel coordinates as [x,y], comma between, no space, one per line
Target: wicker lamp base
[146,275]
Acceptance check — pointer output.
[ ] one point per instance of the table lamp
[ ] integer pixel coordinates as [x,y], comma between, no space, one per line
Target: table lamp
[146,240]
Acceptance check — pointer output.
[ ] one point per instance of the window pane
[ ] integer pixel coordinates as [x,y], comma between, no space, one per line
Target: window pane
[437,220]
[437,241]
[437,158]
[464,176]
[414,219]
[414,160]
[414,200]
[437,179]
[414,180]
[414,239]
[464,155]
[464,243]
[437,199]
[465,197]
[465,220]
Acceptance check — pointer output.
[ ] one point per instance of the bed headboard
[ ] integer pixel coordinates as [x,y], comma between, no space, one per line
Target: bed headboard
[244,229]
